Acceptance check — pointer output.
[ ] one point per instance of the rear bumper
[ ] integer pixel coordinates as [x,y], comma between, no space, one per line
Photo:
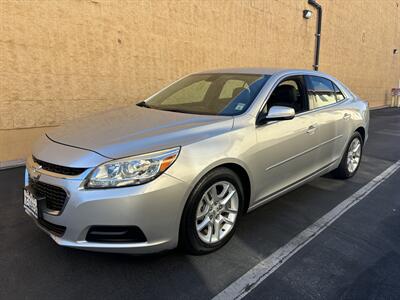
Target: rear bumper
[155,207]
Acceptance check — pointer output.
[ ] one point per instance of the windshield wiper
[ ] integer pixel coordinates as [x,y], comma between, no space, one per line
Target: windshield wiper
[175,110]
[186,111]
[143,104]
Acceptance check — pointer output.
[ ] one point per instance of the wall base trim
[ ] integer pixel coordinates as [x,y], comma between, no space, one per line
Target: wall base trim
[12,164]
[379,107]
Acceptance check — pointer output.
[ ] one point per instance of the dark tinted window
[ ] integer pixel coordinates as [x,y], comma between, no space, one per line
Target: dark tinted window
[290,93]
[339,94]
[321,92]
[211,94]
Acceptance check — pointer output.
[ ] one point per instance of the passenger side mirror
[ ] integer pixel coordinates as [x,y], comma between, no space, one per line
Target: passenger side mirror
[277,113]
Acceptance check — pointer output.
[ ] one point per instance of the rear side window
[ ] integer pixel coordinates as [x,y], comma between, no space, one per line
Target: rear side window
[321,92]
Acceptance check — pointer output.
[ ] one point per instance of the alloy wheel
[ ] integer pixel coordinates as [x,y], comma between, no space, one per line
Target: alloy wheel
[354,155]
[217,212]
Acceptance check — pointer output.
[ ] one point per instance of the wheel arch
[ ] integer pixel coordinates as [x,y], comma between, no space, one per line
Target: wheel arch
[361,131]
[235,166]
[238,169]
[244,178]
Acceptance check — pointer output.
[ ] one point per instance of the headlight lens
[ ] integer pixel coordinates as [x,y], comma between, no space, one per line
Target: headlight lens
[132,170]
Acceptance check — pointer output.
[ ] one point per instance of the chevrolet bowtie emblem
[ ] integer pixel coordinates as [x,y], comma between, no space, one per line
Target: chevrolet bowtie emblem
[34,172]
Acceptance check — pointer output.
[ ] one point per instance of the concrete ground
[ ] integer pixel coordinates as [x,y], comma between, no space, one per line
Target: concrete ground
[357,257]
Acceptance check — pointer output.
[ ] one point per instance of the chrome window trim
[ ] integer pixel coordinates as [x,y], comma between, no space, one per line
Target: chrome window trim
[322,107]
[285,76]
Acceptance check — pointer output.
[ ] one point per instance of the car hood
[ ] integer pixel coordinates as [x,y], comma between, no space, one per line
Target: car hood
[135,130]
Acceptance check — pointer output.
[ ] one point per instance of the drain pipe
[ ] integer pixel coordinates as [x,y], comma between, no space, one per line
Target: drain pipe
[318,34]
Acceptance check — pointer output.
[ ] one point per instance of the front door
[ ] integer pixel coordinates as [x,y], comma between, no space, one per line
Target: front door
[286,150]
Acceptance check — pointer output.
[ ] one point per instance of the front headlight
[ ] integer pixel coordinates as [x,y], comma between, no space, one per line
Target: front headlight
[131,170]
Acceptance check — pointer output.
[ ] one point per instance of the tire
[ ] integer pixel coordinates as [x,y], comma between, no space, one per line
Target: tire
[344,170]
[224,182]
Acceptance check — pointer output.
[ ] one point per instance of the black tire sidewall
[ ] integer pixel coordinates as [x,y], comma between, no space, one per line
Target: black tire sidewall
[343,168]
[189,238]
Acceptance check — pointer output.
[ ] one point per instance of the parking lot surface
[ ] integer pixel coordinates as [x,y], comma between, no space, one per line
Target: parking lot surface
[357,256]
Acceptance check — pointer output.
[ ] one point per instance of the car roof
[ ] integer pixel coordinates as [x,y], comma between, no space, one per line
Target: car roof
[264,71]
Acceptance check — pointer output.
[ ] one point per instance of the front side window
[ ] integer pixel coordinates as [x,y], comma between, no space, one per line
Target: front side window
[210,94]
[320,92]
[290,93]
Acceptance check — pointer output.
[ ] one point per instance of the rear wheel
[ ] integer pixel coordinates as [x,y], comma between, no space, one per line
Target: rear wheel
[351,158]
[212,212]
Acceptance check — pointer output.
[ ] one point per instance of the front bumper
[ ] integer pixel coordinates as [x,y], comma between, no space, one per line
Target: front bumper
[155,207]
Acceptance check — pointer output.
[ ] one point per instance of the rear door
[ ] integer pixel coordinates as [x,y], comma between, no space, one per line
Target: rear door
[330,118]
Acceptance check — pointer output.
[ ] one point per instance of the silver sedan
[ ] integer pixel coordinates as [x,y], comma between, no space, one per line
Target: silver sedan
[181,167]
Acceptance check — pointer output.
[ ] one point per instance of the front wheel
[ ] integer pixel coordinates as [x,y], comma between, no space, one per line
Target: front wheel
[351,158]
[212,212]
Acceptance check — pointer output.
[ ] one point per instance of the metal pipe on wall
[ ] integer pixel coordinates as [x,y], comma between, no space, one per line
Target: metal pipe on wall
[318,34]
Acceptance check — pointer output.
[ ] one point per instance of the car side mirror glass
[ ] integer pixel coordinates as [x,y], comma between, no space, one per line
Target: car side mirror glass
[277,113]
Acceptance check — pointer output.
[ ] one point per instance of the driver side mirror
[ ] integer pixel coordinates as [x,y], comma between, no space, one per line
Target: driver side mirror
[277,113]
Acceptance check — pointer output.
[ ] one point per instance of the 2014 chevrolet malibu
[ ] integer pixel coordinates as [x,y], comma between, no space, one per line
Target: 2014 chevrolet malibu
[182,166]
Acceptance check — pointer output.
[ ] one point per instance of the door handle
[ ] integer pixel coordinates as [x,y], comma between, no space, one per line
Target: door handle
[311,129]
[346,116]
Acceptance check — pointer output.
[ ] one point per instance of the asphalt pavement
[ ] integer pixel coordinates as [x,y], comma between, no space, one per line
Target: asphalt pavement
[357,257]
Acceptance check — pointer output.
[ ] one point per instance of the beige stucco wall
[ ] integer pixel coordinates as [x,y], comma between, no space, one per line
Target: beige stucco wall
[64,59]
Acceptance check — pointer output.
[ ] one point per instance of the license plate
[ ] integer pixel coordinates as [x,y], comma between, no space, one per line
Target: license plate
[31,204]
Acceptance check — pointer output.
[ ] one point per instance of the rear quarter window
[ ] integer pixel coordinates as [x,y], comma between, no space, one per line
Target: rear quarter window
[338,93]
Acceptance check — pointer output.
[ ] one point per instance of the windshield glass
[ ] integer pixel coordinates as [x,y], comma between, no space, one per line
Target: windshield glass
[211,94]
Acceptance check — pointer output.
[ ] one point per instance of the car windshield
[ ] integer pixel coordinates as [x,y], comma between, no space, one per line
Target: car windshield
[210,94]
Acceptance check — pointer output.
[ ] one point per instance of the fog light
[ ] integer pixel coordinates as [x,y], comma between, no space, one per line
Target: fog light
[115,234]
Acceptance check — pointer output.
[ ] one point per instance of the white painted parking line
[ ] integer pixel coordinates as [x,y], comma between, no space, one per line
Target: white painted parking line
[250,280]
